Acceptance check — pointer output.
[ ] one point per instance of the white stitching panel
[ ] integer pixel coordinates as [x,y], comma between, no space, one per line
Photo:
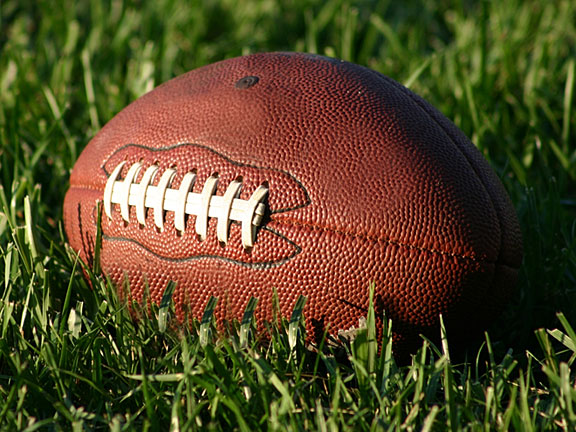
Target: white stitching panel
[208,192]
[108,190]
[140,200]
[126,186]
[180,213]
[253,214]
[158,206]
[232,192]
[182,201]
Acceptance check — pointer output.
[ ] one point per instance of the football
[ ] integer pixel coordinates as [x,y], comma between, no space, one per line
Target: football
[304,175]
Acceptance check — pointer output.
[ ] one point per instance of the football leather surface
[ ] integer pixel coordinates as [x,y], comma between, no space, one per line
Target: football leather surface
[304,174]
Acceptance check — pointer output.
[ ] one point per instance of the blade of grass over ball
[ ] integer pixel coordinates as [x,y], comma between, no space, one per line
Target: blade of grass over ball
[247,320]
[295,320]
[206,322]
[165,304]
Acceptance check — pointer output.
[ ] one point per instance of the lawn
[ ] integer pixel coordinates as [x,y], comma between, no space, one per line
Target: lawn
[71,358]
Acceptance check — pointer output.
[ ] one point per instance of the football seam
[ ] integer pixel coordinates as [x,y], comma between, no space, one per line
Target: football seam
[387,241]
[369,237]
[365,236]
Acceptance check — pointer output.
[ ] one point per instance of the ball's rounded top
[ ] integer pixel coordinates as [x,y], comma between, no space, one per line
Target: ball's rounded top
[377,153]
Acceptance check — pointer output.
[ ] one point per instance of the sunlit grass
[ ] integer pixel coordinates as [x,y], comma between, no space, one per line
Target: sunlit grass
[71,357]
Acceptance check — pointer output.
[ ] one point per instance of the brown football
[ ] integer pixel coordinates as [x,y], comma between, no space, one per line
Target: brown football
[307,175]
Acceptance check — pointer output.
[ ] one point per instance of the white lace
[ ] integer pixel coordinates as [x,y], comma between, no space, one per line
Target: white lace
[182,201]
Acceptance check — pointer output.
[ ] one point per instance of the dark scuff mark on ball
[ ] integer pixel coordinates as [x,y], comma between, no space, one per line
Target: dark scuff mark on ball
[247,82]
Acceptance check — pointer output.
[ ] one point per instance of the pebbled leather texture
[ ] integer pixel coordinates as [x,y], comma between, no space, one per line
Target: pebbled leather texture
[368,183]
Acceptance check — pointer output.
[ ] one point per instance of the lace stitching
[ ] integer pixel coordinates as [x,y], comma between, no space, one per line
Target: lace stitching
[182,201]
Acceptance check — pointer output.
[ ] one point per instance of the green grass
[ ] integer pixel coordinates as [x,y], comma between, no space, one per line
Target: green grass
[71,358]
